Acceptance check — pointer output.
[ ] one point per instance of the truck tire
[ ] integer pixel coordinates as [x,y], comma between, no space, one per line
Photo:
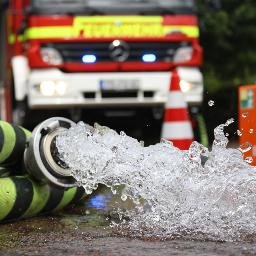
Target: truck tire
[20,114]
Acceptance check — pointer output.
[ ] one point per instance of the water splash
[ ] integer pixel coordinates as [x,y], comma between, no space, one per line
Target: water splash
[248,159]
[211,103]
[239,133]
[245,114]
[245,147]
[197,193]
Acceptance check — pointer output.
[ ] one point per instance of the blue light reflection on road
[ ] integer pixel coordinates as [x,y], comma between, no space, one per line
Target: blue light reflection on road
[99,201]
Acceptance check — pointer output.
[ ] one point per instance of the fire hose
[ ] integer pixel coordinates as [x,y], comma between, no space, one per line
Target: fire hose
[33,180]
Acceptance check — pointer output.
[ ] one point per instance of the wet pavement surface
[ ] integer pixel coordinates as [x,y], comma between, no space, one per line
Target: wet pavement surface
[84,230]
[75,234]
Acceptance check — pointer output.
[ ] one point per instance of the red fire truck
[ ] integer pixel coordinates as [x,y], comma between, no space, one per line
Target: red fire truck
[110,57]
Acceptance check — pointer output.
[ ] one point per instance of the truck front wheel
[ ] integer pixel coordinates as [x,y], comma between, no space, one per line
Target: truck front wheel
[20,113]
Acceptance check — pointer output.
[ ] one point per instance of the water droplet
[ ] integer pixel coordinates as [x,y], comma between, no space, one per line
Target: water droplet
[239,133]
[245,147]
[211,103]
[248,159]
[114,191]
[166,142]
[114,149]
[229,121]
[251,131]
[124,197]
[122,133]
[245,114]
[157,218]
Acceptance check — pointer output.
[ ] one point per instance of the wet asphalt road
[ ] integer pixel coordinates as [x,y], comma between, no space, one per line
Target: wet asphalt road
[84,230]
[63,235]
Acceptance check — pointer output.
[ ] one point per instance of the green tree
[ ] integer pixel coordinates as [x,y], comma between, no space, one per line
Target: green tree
[228,36]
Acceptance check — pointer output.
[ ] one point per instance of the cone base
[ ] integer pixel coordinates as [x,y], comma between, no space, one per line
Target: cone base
[182,144]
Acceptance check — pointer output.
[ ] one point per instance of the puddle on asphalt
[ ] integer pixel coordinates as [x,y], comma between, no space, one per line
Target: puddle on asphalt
[168,193]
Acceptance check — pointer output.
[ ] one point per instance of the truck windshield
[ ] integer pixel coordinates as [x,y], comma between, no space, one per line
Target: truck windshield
[114,6]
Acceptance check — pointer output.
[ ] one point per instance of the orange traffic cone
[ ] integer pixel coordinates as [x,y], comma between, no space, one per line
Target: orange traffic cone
[176,124]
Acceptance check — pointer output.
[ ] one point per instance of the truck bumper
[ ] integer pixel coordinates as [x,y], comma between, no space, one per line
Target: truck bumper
[56,89]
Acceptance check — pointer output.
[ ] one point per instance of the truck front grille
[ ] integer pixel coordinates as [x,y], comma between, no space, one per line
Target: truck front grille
[119,94]
[72,52]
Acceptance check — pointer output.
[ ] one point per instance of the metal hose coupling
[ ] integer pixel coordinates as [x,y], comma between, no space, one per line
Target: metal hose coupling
[41,156]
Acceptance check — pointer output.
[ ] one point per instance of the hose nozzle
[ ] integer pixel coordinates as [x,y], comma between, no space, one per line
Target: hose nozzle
[41,156]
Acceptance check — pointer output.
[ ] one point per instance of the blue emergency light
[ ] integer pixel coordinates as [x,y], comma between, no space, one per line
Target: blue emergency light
[149,57]
[89,58]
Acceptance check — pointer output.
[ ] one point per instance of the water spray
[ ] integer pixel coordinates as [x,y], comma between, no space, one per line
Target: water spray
[175,195]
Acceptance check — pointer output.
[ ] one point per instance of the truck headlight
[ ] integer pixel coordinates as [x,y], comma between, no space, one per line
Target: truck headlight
[60,87]
[186,86]
[47,88]
[51,56]
[183,54]
[51,88]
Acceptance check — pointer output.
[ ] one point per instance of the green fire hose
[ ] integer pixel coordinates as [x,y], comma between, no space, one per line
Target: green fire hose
[46,185]
[21,197]
[12,143]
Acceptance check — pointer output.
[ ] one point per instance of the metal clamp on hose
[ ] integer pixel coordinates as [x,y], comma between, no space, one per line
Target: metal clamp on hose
[41,155]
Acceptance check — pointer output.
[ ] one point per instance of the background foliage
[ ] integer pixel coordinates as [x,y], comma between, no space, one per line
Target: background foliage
[228,36]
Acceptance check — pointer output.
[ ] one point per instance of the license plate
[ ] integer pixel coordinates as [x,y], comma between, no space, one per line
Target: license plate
[119,85]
